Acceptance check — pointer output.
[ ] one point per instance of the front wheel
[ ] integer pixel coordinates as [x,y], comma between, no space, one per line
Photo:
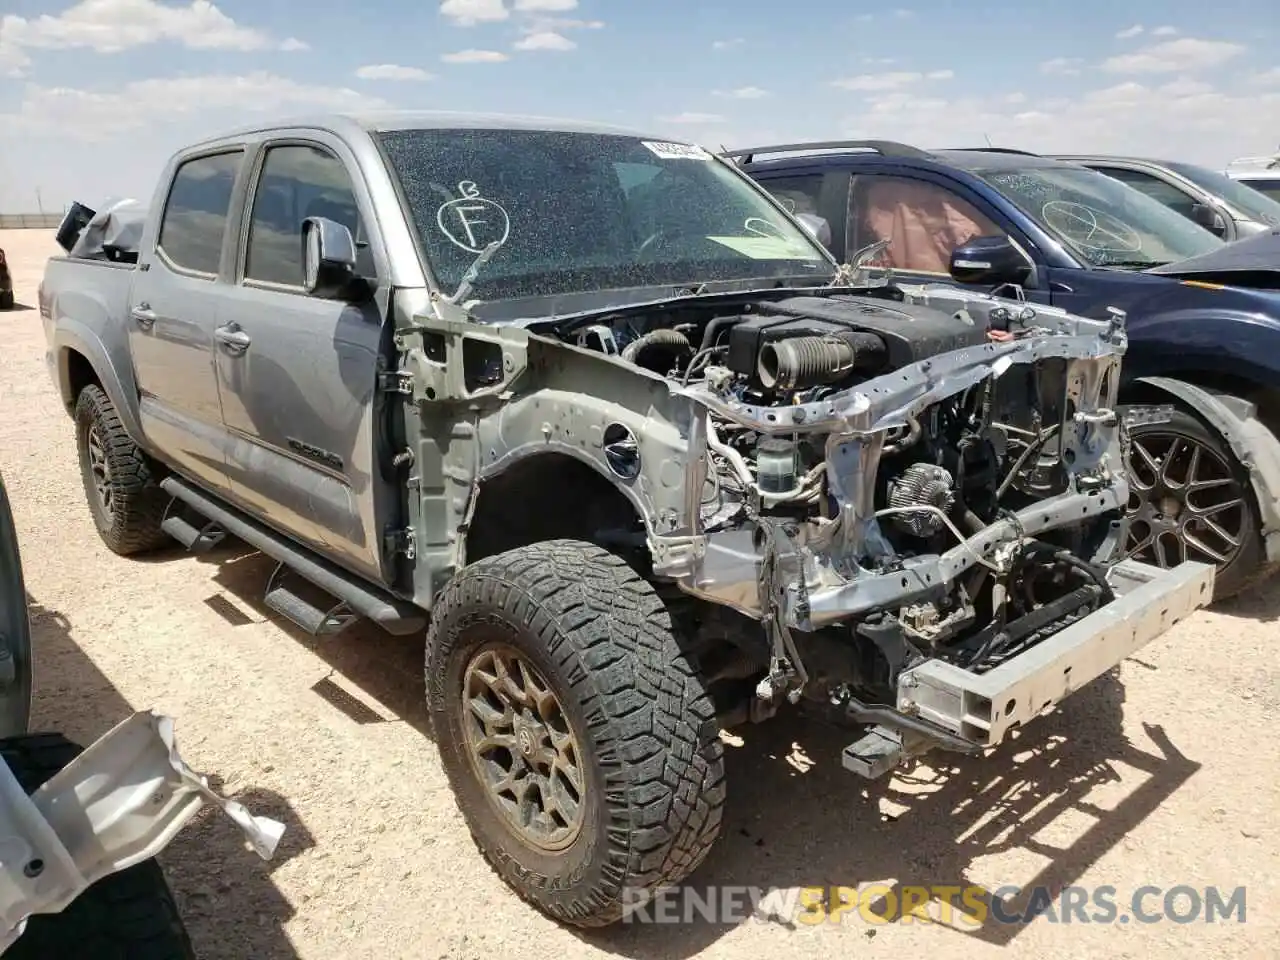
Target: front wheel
[578,738]
[1190,499]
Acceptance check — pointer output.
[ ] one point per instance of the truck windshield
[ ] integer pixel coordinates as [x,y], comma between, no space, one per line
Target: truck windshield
[575,212]
[1107,223]
[1248,201]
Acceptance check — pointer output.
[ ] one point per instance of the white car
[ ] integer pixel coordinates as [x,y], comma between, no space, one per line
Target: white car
[1261,173]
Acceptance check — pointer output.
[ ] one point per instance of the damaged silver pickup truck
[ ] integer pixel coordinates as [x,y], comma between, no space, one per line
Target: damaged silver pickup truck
[611,425]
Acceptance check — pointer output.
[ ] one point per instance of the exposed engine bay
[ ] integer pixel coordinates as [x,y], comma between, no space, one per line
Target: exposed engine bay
[918,474]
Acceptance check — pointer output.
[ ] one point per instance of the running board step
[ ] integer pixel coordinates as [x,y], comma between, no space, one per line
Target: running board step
[317,621]
[361,598]
[200,539]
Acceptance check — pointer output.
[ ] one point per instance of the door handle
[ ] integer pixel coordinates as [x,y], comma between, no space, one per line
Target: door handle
[234,340]
[143,315]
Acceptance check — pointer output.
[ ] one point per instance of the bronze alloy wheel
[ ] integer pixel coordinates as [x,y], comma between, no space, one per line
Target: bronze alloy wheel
[522,747]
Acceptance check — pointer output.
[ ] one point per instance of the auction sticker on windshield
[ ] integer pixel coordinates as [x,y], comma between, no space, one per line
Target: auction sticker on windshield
[676,151]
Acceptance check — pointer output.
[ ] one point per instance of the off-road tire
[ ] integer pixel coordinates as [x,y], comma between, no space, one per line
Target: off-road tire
[133,523]
[1247,566]
[130,915]
[652,758]
[7,301]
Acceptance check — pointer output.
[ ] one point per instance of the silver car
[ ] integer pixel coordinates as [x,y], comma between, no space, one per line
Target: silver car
[1218,203]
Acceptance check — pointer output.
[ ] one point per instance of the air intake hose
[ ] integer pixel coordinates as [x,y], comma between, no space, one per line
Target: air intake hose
[670,339]
[803,362]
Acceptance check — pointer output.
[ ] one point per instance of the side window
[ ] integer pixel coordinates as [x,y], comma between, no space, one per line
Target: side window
[798,194]
[1154,187]
[297,182]
[922,221]
[195,215]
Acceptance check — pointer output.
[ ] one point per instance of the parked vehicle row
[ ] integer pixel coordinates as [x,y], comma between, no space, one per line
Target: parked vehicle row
[1199,384]
[6,283]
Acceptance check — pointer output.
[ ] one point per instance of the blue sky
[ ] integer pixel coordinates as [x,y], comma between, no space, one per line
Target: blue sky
[95,94]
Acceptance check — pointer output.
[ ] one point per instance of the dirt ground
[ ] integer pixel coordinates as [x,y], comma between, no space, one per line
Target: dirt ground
[1165,774]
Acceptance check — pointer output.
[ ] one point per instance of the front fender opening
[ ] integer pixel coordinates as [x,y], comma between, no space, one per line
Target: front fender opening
[552,496]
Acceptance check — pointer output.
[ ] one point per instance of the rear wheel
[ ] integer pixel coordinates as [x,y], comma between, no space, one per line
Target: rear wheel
[124,497]
[128,915]
[1190,499]
[6,300]
[579,741]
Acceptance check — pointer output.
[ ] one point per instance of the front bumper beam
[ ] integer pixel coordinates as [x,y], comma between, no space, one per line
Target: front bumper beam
[981,709]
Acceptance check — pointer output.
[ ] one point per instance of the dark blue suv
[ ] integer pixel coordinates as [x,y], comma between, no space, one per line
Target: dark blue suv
[1201,391]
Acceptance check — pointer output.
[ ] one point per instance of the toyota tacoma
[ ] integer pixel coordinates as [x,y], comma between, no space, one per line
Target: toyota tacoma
[609,424]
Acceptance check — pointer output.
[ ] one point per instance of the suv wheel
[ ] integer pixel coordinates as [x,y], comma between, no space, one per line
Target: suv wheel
[579,741]
[124,498]
[1190,499]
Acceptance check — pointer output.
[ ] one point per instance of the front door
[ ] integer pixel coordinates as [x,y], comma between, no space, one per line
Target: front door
[173,314]
[298,373]
[924,220]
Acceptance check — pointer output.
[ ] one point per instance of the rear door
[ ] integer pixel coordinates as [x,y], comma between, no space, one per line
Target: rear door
[173,314]
[298,386]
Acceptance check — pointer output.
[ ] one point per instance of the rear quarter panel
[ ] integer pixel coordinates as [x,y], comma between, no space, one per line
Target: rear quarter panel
[84,305]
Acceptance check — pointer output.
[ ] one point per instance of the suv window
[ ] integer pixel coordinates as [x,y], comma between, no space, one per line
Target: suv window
[195,215]
[1268,187]
[299,181]
[798,194]
[1153,187]
[923,221]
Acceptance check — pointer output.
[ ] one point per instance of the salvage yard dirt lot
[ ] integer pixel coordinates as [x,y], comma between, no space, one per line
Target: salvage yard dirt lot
[1165,774]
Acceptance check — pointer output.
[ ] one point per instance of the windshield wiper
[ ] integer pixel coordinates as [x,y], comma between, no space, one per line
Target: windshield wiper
[1133,264]
[473,271]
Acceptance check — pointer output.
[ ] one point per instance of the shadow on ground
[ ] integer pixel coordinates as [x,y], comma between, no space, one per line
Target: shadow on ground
[797,818]
[225,894]
[1261,603]
[387,668]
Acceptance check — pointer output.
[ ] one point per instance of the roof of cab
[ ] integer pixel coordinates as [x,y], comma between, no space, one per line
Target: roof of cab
[382,121]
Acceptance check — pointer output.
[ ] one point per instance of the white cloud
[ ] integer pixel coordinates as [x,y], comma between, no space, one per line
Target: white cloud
[467,13]
[546,6]
[545,40]
[904,14]
[879,61]
[474,56]
[392,71]
[1165,32]
[894,80]
[743,93]
[1183,119]
[67,112]
[110,26]
[1015,98]
[290,44]
[1267,77]
[1172,56]
[1130,32]
[1062,66]
[691,117]
[726,44]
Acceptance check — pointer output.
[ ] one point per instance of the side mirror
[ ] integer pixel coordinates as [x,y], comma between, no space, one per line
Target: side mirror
[989,261]
[1210,219]
[328,258]
[817,226]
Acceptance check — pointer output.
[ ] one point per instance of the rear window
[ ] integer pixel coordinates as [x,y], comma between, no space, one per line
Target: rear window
[1267,186]
[195,215]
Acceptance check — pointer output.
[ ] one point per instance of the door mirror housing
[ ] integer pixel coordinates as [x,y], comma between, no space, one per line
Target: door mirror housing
[817,227]
[989,261]
[328,259]
[1210,219]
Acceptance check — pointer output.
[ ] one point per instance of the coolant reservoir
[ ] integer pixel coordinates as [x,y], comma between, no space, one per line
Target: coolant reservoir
[775,465]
